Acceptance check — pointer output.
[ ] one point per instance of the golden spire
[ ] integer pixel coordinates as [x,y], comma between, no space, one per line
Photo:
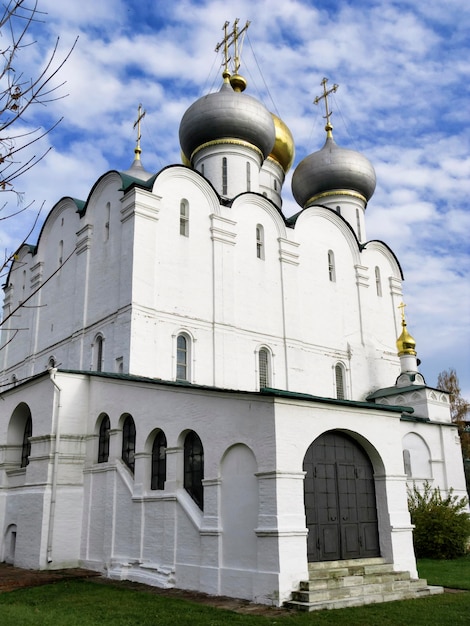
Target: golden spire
[232,38]
[405,342]
[140,117]
[325,94]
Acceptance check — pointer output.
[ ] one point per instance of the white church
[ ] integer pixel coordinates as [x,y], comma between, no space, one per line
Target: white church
[199,392]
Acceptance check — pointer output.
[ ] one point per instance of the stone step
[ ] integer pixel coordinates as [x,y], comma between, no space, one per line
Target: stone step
[340,603]
[358,589]
[355,582]
[348,581]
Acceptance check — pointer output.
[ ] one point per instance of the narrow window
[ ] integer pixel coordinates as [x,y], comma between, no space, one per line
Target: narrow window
[378,283]
[358,224]
[106,224]
[407,463]
[158,462]
[98,353]
[275,184]
[61,251]
[182,357]
[248,176]
[26,446]
[264,368]
[103,440]
[338,210]
[202,169]
[184,218]
[194,468]
[128,442]
[224,176]
[339,380]
[331,266]
[260,242]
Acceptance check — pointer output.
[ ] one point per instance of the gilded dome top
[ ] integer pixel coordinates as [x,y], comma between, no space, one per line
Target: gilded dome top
[405,342]
[284,150]
[228,114]
[332,169]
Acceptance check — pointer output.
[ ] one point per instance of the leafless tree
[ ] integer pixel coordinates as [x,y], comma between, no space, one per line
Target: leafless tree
[18,93]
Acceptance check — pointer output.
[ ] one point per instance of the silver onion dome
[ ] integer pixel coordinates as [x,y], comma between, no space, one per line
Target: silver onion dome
[226,115]
[332,169]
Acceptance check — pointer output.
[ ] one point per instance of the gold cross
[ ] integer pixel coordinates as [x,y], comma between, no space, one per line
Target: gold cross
[140,117]
[325,95]
[402,307]
[232,38]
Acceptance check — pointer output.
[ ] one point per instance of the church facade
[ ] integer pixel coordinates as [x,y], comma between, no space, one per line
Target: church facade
[200,392]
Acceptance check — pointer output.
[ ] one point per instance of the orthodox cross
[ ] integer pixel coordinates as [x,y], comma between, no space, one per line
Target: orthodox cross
[232,38]
[402,307]
[140,117]
[325,94]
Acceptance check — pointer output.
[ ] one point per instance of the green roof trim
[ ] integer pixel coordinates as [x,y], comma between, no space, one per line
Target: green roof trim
[393,391]
[129,181]
[349,403]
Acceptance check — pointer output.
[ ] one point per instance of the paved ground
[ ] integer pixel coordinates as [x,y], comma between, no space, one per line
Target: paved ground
[12,578]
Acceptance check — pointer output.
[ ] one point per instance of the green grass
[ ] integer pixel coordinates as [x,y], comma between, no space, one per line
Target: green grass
[454,573]
[83,603]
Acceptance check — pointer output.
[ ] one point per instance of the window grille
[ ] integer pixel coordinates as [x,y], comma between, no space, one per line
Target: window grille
[158,462]
[224,176]
[128,443]
[184,218]
[182,358]
[378,283]
[331,266]
[103,440]
[194,468]
[264,369]
[260,242]
[339,378]
[26,447]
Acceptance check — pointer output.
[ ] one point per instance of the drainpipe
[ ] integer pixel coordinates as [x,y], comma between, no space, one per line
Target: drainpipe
[55,461]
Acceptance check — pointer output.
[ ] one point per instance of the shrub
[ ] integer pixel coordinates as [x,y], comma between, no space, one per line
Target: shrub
[442,525]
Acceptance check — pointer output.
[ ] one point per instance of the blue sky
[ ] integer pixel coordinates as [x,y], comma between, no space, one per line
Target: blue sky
[403,69]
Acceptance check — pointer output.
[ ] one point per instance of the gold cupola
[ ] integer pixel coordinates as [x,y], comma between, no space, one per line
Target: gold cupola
[405,342]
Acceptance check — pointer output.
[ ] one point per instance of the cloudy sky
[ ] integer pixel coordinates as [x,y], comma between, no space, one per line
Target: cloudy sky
[403,69]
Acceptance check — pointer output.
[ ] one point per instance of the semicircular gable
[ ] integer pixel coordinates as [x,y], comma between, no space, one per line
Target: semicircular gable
[182,172]
[379,246]
[250,199]
[322,213]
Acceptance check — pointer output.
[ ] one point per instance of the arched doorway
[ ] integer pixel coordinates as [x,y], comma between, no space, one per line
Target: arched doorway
[340,504]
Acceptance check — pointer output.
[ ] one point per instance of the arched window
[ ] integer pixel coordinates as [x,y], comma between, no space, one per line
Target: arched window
[194,468]
[128,442]
[248,176]
[338,210]
[260,241]
[275,184]
[61,251]
[26,446]
[264,367]
[378,283]
[331,266]
[183,349]
[158,462]
[224,176]
[339,382]
[202,169]
[98,353]
[358,224]
[103,441]
[184,218]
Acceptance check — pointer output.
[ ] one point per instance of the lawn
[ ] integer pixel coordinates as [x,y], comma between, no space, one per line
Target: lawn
[454,573]
[85,602]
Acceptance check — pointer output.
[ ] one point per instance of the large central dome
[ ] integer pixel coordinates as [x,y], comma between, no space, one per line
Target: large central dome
[226,115]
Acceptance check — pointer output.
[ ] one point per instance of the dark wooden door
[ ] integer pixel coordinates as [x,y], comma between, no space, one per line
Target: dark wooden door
[340,503]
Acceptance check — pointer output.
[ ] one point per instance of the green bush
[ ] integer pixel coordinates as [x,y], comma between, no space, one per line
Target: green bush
[442,525]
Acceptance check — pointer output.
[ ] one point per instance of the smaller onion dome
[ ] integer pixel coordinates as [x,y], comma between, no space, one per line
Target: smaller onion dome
[405,342]
[224,116]
[284,149]
[332,169]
